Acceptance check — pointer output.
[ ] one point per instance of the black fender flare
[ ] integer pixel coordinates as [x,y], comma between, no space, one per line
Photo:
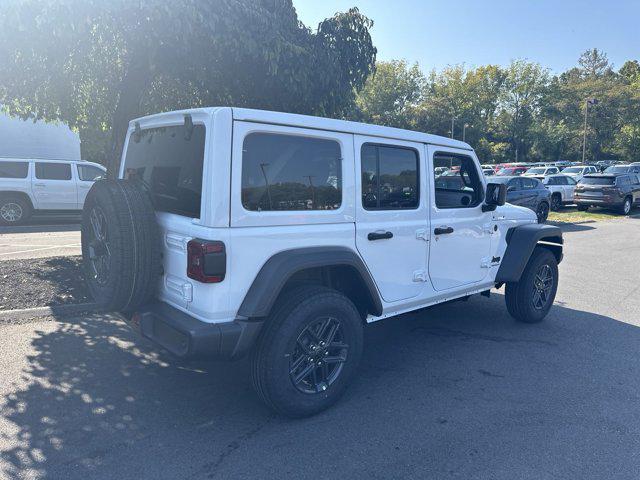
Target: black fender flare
[520,244]
[274,274]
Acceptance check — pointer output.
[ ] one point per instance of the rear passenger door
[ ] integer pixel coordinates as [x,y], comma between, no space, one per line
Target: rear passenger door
[392,226]
[54,187]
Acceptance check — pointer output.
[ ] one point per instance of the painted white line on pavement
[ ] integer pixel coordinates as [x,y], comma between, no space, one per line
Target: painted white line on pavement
[41,249]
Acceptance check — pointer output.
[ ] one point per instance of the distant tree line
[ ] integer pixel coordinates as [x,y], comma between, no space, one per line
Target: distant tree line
[516,112]
[95,65]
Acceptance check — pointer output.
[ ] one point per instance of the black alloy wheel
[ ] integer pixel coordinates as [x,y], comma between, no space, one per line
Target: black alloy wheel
[318,356]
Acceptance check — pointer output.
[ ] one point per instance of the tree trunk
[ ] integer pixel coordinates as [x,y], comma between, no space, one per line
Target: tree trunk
[132,87]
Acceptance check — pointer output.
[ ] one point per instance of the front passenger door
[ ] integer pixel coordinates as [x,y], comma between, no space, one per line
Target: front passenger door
[460,231]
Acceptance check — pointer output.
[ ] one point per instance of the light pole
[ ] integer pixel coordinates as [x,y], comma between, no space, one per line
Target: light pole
[464,131]
[588,101]
[453,120]
[266,182]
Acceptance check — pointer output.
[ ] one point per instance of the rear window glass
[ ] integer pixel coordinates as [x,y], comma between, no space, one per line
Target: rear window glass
[598,181]
[290,172]
[53,171]
[14,169]
[169,162]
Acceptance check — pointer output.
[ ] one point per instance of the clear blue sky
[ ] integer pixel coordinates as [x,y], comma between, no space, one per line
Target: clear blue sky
[436,33]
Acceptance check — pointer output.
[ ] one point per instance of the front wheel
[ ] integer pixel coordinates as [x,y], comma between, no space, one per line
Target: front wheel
[626,206]
[530,299]
[556,202]
[542,212]
[308,352]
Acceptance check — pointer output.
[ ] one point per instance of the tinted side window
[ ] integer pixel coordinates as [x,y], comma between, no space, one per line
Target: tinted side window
[554,181]
[460,186]
[89,173]
[529,183]
[515,184]
[290,172]
[14,169]
[389,177]
[53,171]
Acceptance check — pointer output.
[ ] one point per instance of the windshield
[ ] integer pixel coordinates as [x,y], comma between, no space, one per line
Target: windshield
[617,169]
[573,170]
[536,171]
[598,181]
[169,161]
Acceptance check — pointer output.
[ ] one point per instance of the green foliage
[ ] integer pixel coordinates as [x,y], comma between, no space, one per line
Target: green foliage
[519,111]
[96,64]
[390,94]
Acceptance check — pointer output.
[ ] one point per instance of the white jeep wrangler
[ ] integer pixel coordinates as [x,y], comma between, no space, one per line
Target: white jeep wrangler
[233,231]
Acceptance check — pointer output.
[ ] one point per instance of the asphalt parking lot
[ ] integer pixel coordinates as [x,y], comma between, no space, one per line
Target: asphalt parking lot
[42,237]
[456,391]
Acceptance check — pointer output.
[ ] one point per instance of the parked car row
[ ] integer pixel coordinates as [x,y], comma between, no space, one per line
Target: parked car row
[28,186]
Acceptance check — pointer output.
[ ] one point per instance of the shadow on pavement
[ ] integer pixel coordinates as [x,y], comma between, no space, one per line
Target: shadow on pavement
[459,390]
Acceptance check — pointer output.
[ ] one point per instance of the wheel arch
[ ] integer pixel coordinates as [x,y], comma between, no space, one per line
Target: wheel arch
[17,193]
[521,241]
[338,267]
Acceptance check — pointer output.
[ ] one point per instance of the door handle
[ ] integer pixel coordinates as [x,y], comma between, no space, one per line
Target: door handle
[443,230]
[39,185]
[379,235]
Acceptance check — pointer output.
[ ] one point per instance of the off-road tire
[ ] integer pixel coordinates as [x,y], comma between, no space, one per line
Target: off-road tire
[133,238]
[583,208]
[23,206]
[627,206]
[270,362]
[556,202]
[519,295]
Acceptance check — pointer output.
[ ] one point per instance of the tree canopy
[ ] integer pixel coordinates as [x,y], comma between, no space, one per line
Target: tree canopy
[518,112]
[95,65]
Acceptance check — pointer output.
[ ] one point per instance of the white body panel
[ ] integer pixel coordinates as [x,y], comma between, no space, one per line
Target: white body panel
[446,268]
[49,194]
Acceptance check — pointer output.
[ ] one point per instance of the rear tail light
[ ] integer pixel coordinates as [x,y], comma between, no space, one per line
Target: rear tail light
[206,261]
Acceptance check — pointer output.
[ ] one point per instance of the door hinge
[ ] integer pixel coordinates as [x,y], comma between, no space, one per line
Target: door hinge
[420,276]
[422,234]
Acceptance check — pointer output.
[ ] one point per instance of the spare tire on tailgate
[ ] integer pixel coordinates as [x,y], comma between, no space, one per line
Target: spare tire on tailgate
[120,245]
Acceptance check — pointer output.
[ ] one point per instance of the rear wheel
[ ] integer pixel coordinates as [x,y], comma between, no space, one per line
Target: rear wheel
[530,299]
[625,209]
[556,202]
[308,352]
[14,210]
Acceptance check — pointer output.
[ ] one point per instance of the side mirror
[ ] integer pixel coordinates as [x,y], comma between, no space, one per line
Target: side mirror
[496,196]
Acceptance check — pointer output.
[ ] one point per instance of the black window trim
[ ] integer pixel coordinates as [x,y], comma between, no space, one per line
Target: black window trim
[480,176]
[389,145]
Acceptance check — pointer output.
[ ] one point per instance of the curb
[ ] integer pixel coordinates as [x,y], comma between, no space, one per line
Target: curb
[36,312]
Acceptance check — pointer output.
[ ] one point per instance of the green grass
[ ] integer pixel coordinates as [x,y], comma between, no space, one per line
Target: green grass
[572,215]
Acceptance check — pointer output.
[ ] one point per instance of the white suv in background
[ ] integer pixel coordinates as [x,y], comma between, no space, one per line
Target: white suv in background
[561,188]
[31,185]
[579,171]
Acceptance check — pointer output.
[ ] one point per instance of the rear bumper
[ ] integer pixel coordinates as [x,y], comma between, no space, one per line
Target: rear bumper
[604,201]
[188,337]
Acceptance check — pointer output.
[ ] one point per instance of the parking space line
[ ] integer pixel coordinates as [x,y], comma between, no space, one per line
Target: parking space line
[41,249]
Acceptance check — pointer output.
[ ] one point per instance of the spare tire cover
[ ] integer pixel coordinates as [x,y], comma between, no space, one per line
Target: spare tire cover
[120,245]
